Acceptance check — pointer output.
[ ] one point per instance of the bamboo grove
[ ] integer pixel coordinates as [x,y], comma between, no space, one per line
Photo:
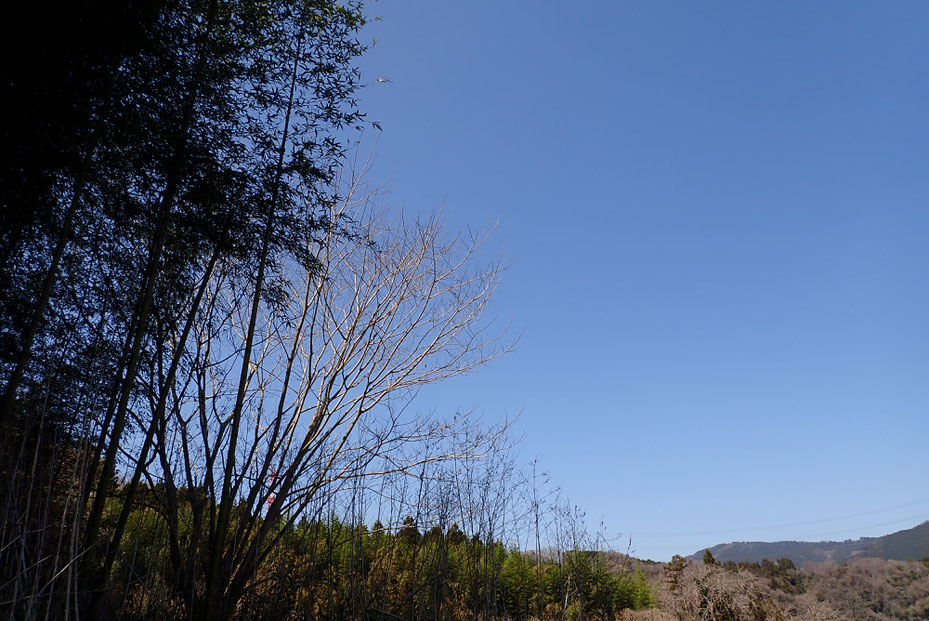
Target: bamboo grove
[212,331]
[332,570]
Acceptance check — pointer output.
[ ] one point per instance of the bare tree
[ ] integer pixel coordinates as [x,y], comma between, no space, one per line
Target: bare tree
[337,354]
[717,592]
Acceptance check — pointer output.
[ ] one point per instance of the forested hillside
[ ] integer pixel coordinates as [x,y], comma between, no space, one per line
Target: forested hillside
[909,544]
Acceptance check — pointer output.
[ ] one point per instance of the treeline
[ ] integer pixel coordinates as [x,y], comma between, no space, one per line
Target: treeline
[781,574]
[334,568]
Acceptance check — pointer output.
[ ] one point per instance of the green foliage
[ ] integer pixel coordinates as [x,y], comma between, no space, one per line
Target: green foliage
[633,592]
[338,570]
[781,575]
[674,572]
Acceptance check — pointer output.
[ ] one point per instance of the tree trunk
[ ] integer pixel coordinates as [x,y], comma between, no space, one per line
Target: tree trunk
[215,606]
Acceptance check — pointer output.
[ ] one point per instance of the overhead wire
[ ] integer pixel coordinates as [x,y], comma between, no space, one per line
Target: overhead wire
[743,529]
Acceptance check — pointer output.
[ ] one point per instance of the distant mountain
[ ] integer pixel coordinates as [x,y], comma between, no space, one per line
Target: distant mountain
[912,543]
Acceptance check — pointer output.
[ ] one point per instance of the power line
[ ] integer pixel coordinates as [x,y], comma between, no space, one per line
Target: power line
[726,531]
[900,521]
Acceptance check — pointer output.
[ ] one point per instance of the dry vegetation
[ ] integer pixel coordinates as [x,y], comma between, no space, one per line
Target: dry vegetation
[865,589]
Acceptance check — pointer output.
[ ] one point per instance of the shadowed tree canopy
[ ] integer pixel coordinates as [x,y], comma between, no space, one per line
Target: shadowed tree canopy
[147,143]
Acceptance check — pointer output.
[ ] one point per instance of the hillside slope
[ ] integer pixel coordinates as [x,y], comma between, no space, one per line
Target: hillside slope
[912,543]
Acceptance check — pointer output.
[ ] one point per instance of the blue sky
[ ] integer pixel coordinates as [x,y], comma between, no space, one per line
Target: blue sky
[716,217]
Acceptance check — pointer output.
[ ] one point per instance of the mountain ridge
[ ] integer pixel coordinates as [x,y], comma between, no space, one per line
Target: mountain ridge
[907,544]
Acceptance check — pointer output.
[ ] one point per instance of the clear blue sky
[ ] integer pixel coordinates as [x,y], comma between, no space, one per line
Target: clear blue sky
[716,216]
